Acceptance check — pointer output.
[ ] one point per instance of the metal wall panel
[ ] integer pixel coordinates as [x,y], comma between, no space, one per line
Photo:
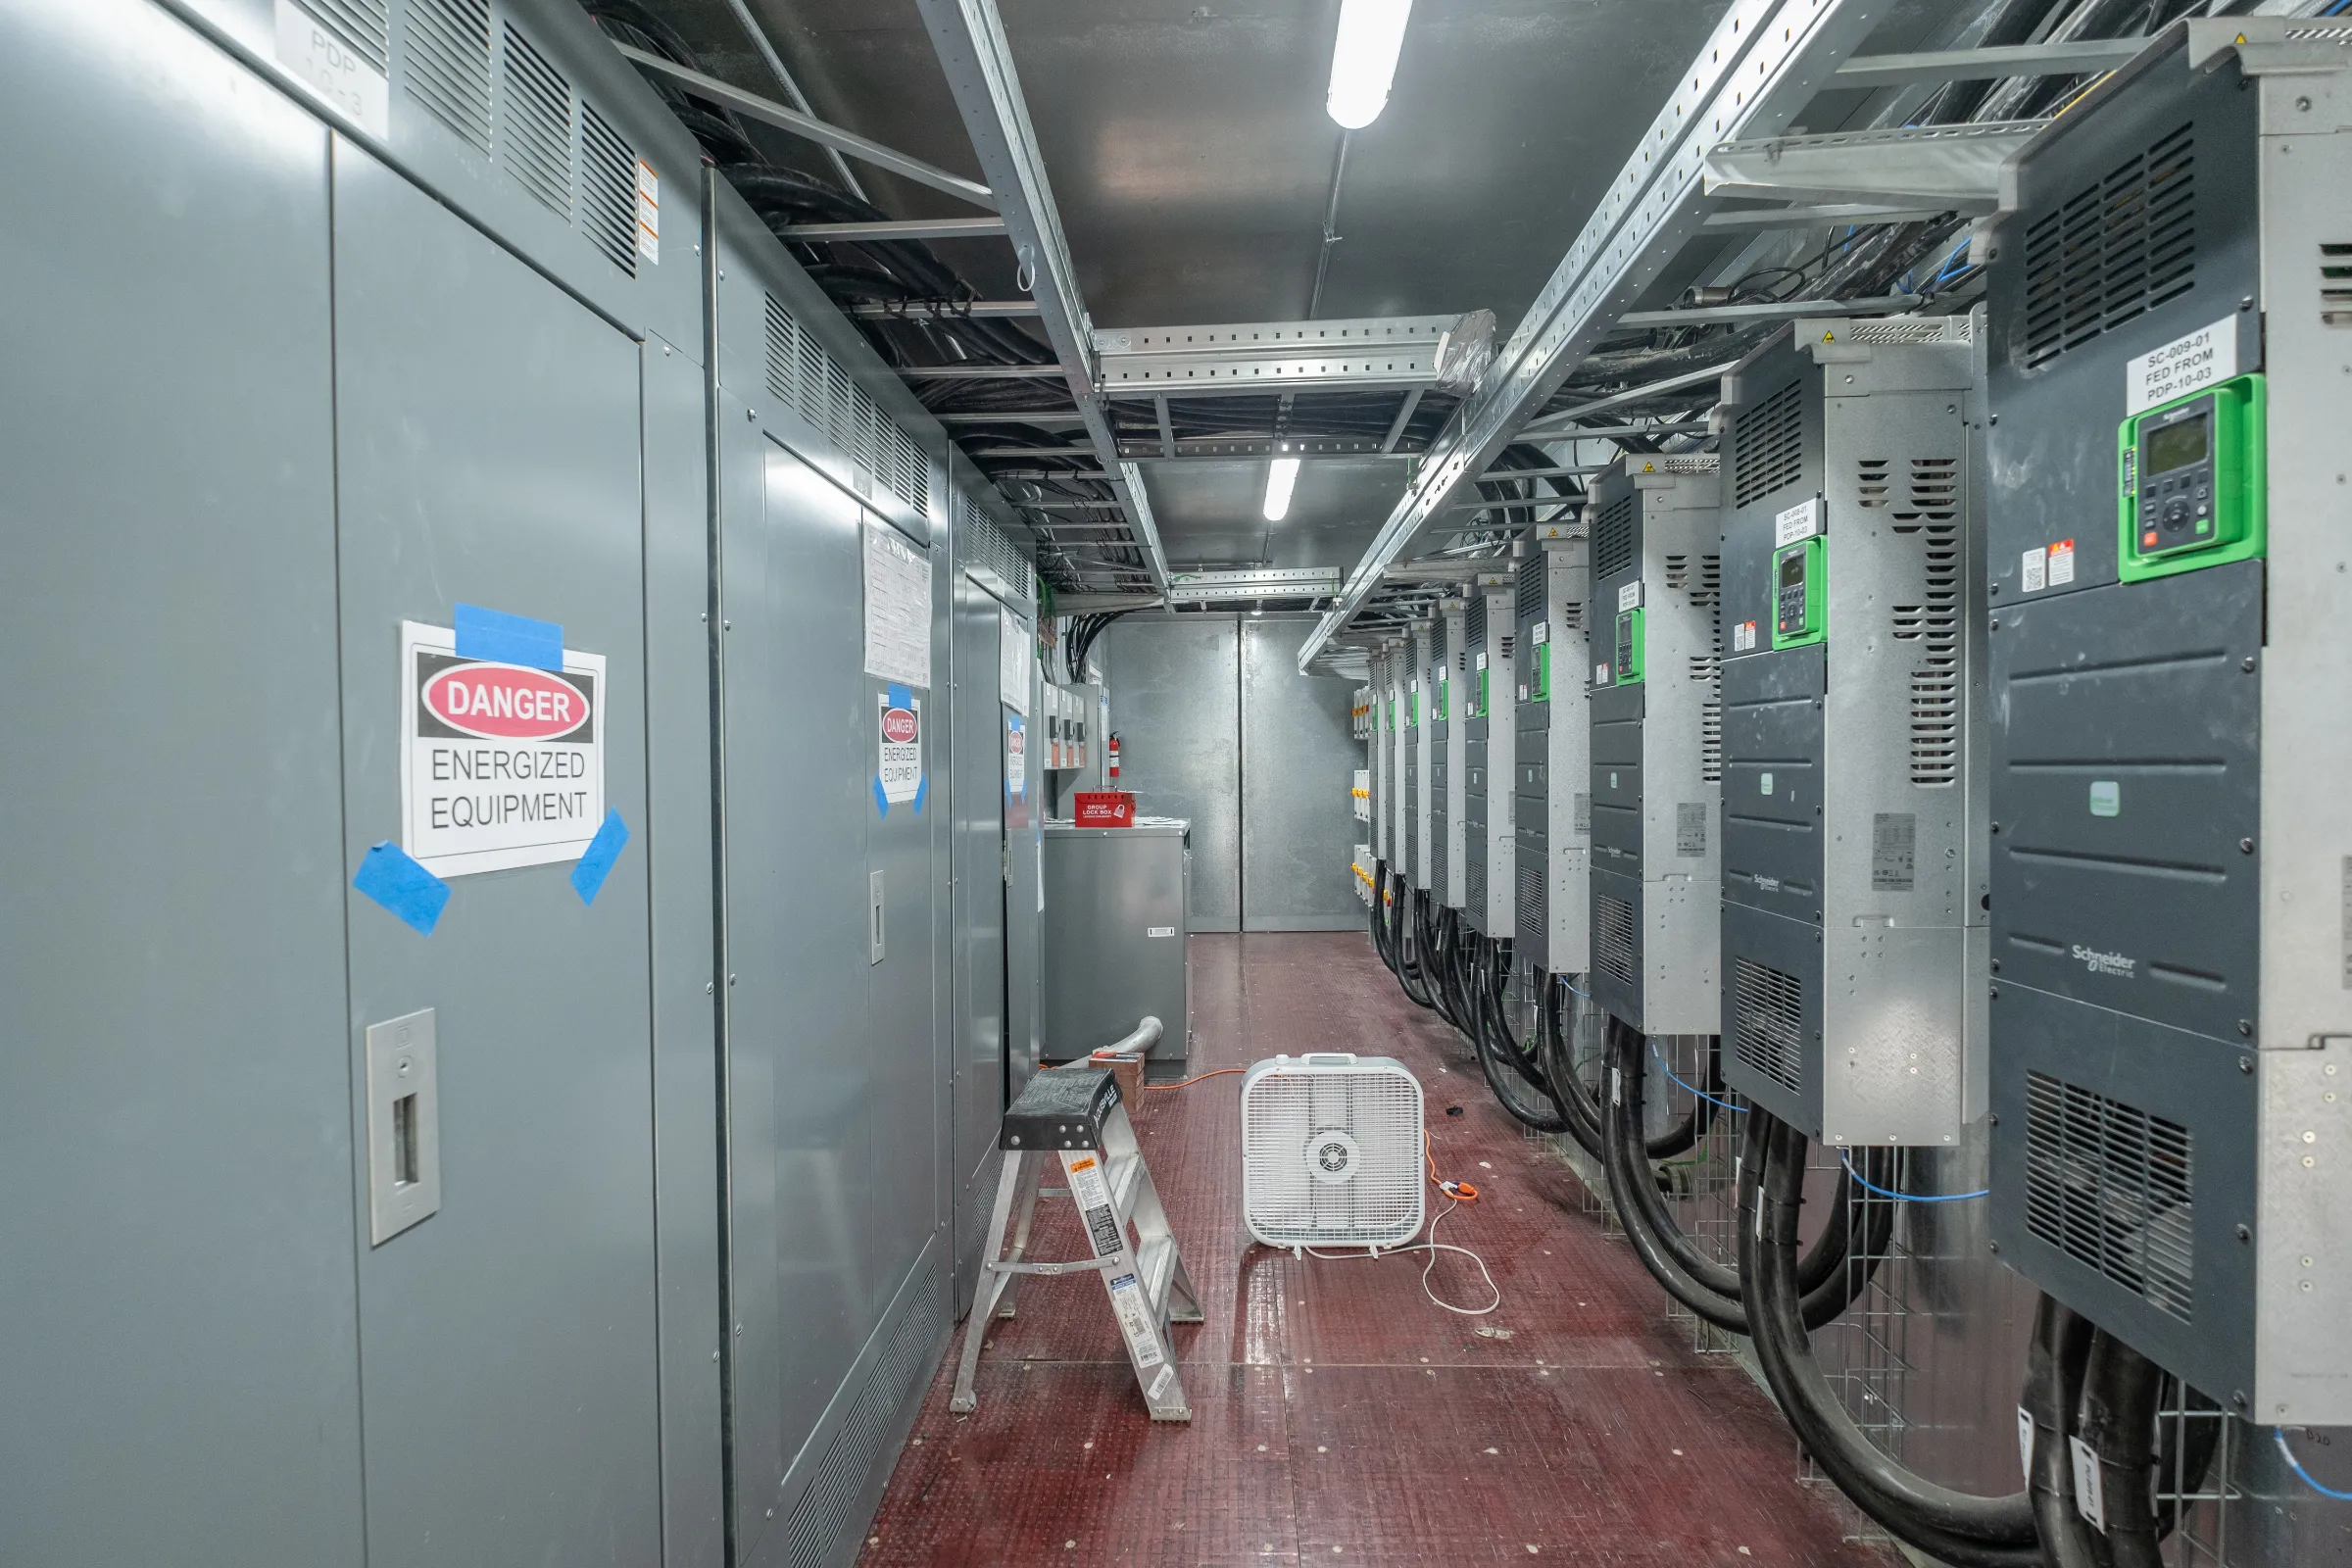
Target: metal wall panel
[488,452]
[181,1378]
[982,801]
[680,823]
[1298,832]
[798,764]
[1179,721]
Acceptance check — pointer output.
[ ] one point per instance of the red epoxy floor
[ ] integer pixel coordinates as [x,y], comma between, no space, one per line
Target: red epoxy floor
[1337,1417]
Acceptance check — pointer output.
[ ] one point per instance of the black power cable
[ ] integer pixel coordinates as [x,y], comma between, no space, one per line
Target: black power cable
[1578,1107]
[1960,1527]
[2054,1370]
[2124,1395]
[1519,1082]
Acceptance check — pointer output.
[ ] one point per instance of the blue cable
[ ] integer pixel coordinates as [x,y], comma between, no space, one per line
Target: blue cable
[2279,1432]
[1909,1198]
[1738,1111]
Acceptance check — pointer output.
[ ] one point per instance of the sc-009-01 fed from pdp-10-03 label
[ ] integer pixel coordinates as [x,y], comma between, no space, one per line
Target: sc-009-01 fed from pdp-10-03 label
[501,764]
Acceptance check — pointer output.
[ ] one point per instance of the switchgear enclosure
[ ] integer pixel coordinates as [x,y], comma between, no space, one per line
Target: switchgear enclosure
[2168,876]
[1853,828]
[1656,744]
[1568,766]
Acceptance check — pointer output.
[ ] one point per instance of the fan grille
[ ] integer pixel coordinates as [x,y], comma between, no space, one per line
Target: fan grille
[1286,1109]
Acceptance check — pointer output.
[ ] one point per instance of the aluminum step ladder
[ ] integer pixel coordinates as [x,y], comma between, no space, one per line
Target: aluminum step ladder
[1075,1113]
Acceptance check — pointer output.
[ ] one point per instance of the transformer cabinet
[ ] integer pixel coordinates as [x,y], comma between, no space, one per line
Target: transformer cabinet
[1449,809]
[2171,631]
[1530,767]
[1656,744]
[1563,663]
[1853,694]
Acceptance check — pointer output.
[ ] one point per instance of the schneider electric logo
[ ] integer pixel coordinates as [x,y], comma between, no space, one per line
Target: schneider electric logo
[2098,962]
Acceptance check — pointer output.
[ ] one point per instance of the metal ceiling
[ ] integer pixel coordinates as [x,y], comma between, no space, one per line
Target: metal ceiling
[1162,168]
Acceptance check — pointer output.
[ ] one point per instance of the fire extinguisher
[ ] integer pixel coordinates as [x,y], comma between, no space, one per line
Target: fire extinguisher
[1114,756]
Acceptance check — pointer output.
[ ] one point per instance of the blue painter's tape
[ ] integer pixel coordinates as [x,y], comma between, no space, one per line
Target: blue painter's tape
[588,877]
[392,878]
[899,696]
[923,787]
[1012,722]
[881,801]
[494,634]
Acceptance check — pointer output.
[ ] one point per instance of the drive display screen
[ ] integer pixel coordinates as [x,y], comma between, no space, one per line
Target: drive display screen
[2178,446]
[1792,571]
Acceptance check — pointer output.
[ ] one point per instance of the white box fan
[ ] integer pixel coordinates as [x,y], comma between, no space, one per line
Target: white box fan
[1331,1152]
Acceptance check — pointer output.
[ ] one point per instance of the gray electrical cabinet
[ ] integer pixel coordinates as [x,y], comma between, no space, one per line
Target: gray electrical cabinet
[1450,823]
[1565,662]
[1853,702]
[1477,857]
[2170,624]
[1380,753]
[1412,863]
[1116,904]
[1530,767]
[1497,702]
[1429,756]
[1656,744]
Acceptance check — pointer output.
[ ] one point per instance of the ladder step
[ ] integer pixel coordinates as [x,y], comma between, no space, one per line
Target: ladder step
[1125,1173]
[1154,1266]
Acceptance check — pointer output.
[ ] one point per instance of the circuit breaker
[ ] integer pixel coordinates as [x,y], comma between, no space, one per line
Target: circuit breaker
[1656,743]
[1568,743]
[1854,871]
[2171,627]
[1530,765]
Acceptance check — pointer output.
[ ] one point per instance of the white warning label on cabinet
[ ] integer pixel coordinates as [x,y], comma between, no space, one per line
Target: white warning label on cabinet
[2185,364]
[2033,569]
[1800,522]
[501,764]
[649,212]
[1017,757]
[899,769]
[898,608]
[1017,658]
[2062,562]
[347,81]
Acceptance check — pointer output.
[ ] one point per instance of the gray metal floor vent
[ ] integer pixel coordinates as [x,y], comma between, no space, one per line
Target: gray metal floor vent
[1768,1022]
[2110,1186]
[829,1510]
[1613,937]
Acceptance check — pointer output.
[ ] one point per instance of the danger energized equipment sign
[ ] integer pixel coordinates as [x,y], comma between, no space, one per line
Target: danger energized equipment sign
[499,765]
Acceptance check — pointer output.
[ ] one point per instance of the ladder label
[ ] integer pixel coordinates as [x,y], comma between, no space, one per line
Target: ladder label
[1135,1320]
[1093,1198]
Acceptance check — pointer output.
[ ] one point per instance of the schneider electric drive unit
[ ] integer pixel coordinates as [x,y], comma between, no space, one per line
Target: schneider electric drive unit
[1447,766]
[1424,738]
[1487,760]
[1853,765]
[1530,767]
[1656,739]
[2171,628]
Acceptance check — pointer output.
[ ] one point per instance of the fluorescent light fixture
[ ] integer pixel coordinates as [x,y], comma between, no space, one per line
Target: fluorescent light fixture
[1364,61]
[1281,475]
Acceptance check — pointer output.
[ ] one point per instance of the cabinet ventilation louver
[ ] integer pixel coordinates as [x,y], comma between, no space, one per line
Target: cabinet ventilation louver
[1613,937]
[360,23]
[2114,249]
[1436,854]
[445,64]
[1768,446]
[1474,876]
[1710,731]
[986,548]
[1768,1022]
[2335,284]
[534,122]
[1928,509]
[1474,626]
[816,1530]
[607,191]
[1705,586]
[809,381]
[1532,572]
[2112,1187]
[1613,539]
[1529,910]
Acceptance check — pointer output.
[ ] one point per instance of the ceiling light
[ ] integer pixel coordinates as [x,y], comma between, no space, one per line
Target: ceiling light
[1364,61]
[1281,475]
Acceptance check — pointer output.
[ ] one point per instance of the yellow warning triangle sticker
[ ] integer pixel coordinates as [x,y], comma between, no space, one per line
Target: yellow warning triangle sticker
[2242,37]
[1649,468]
[1829,338]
